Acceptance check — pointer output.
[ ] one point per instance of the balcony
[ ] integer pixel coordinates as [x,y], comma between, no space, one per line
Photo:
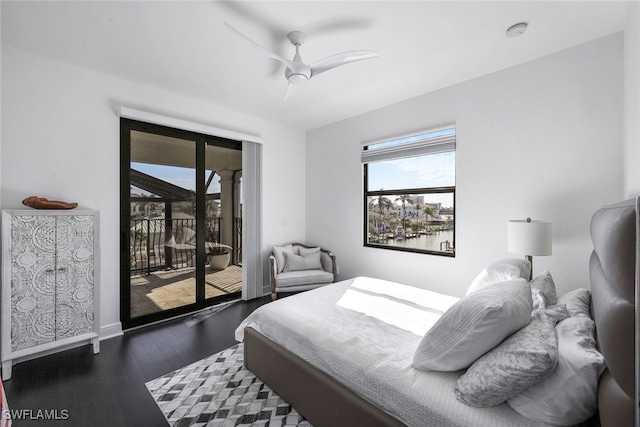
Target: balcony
[162,264]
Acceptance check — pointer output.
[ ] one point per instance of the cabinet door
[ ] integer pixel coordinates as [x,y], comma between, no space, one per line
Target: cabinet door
[33,275]
[74,275]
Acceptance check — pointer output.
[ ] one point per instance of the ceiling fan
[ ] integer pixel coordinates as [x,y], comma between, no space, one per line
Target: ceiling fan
[296,71]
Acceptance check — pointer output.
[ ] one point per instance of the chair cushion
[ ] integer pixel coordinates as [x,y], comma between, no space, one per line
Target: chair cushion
[310,261]
[301,250]
[304,277]
[278,252]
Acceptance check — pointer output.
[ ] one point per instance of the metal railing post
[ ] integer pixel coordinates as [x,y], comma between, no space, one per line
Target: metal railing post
[148,252]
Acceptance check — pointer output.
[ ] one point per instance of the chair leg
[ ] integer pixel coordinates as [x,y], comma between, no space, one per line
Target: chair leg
[274,296]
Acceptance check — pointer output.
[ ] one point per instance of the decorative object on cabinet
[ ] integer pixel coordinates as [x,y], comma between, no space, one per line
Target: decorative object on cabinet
[42,203]
[50,282]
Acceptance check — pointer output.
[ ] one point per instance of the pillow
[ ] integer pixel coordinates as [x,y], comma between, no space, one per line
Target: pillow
[543,291]
[519,362]
[306,251]
[278,252]
[570,394]
[474,325]
[299,250]
[501,271]
[577,302]
[298,262]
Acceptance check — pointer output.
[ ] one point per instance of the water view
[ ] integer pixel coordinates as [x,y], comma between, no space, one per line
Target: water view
[436,241]
[415,221]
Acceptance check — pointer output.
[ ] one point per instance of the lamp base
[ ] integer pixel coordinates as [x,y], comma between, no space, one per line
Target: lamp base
[530,259]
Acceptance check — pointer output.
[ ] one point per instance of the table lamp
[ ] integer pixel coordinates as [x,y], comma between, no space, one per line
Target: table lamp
[529,237]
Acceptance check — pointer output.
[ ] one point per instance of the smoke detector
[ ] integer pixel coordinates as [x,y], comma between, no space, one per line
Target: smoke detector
[517,29]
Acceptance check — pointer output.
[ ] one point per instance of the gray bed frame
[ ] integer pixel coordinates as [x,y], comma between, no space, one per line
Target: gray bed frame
[614,271]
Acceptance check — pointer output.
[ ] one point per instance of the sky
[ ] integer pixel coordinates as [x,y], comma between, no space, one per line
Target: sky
[182,177]
[431,170]
[427,171]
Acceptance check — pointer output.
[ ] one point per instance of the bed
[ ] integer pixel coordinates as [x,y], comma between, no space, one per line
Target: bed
[336,370]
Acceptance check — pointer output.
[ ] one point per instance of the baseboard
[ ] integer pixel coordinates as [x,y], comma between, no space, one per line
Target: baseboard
[106,332]
[110,331]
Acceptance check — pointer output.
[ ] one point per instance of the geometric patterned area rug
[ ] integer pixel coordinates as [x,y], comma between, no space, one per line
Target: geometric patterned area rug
[219,391]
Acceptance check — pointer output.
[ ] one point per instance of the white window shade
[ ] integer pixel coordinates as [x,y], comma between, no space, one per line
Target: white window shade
[429,145]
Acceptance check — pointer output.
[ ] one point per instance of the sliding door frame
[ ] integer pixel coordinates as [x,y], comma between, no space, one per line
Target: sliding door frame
[200,141]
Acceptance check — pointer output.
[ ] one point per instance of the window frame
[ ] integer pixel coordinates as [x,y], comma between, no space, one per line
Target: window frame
[408,192]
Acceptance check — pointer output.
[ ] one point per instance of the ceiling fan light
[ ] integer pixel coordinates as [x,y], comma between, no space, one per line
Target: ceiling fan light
[297,79]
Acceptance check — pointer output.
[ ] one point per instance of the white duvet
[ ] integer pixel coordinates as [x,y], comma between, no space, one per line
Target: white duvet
[363,332]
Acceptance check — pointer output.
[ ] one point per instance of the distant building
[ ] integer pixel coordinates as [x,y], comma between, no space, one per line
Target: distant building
[145,208]
[412,212]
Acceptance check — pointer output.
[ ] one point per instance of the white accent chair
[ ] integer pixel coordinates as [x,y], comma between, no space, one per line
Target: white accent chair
[294,279]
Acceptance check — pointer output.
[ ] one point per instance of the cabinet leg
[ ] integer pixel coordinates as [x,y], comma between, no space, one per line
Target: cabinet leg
[6,370]
[96,345]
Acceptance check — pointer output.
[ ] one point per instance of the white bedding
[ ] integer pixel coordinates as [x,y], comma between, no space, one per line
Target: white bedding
[364,332]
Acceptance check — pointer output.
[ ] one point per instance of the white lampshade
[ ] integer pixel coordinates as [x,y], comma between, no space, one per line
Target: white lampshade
[529,237]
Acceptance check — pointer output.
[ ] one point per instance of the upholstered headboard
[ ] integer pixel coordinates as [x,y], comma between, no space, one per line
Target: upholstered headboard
[612,267]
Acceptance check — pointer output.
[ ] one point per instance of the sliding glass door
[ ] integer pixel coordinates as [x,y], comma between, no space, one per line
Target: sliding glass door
[179,200]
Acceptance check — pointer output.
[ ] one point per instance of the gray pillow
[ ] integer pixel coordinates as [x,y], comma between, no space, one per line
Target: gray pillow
[569,395]
[302,262]
[474,325]
[306,251]
[278,252]
[577,302]
[543,291]
[501,271]
[520,361]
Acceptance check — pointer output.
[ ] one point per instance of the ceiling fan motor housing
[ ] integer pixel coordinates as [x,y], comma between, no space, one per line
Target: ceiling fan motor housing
[295,78]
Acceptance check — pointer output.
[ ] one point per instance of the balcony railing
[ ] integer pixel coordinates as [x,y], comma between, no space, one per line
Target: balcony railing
[164,244]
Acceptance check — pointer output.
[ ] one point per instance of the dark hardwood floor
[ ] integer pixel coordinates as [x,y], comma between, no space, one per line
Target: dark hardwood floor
[108,389]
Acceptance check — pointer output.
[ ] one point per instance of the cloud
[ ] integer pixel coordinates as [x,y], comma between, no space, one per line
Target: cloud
[435,170]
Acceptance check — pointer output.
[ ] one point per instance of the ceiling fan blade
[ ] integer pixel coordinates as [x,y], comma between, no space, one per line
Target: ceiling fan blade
[289,91]
[339,59]
[266,51]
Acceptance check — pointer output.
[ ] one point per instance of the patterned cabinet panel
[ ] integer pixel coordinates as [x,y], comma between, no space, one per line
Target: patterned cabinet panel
[33,281]
[49,281]
[74,276]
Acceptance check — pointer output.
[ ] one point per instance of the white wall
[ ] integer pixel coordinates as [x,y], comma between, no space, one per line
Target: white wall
[60,140]
[632,103]
[542,139]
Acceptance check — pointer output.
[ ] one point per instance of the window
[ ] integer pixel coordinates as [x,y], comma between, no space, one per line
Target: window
[409,193]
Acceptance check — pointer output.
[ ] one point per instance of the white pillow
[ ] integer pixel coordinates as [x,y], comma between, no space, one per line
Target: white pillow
[474,325]
[570,394]
[577,301]
[518,363]
[300,250]
[543,291]
[501,271]
[278,252]
[302,262]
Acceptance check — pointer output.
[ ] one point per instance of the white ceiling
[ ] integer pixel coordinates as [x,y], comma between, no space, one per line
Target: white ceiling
[184,47]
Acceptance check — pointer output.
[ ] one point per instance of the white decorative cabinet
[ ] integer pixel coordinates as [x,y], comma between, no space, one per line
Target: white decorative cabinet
[50,282]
